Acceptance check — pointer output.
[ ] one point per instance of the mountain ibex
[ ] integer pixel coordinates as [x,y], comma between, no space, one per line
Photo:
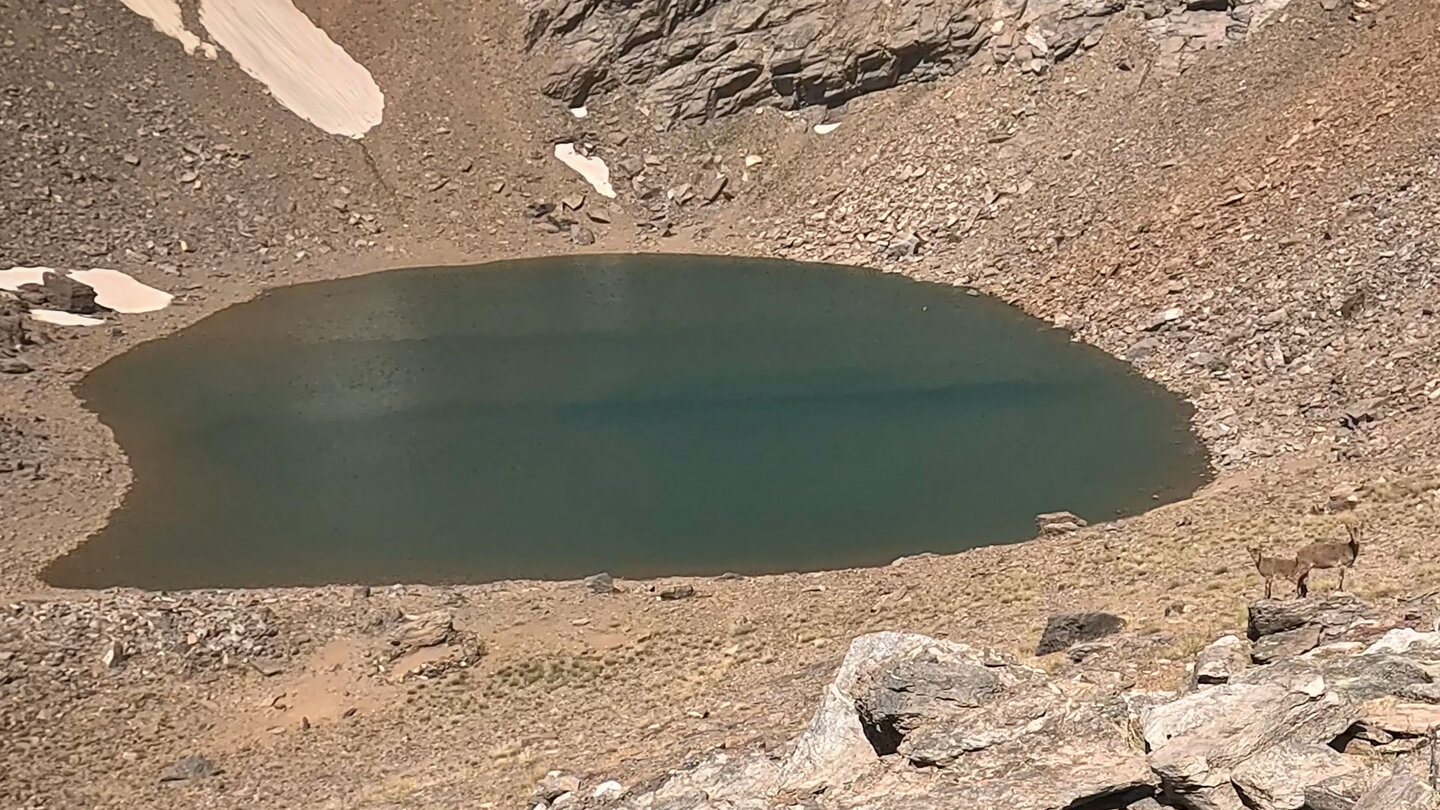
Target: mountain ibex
[1333,555]
[1287,568]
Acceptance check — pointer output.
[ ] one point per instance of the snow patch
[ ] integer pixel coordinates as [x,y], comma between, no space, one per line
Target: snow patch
[826,129]
[593,169]
[13,278]
[114,290]
[59,318]
[303,68]
[119,292]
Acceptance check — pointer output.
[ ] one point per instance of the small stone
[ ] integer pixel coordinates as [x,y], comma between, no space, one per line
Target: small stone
[193,766]
[1142,348]
[339,205]
[133,160]
[711,190]
[609,789]
[677,592]
[1161,319]
[497,186]
[554,785]
[573,201]
[601,215]
[1059,522]
[14,365]
[1352,304]
[581,235]
[114,654]
[1358,413]
[600,583]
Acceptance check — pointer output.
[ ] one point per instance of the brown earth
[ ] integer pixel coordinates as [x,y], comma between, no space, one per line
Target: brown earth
[1282,194]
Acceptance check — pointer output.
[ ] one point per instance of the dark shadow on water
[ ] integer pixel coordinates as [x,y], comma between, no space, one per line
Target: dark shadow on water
[643,415]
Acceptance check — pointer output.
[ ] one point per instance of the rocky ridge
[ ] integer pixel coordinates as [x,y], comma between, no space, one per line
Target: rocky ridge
[695,60]
[920,722]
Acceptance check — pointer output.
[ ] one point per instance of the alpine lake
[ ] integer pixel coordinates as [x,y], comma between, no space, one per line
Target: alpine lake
[640,415]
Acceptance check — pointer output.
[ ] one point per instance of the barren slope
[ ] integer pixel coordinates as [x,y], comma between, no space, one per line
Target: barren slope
[1257,193]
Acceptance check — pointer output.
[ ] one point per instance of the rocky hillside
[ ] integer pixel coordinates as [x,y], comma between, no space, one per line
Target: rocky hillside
[1238,198]
[1324,707]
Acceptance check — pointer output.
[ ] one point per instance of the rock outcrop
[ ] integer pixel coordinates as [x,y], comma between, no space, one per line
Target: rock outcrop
[916,722]
[60,293]
[700,59]
[1066,630]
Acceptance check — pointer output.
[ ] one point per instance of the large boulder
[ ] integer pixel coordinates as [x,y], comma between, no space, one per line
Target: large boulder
[1224,659]
[1399,792]
[420,631]
[1278,778]
[1334,617]
[922,723]
[1268,737]
[61,293]
[1067,629]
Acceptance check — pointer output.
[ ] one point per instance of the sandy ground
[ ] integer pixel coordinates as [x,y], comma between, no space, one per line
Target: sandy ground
[1282,196]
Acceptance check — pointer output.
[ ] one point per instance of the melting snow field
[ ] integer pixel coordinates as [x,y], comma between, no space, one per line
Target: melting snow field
[277,45]
[13,278]
[305,70]
[114,290]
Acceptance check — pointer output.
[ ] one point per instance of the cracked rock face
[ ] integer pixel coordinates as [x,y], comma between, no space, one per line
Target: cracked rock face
[694,60]
[916,722]
[698,59]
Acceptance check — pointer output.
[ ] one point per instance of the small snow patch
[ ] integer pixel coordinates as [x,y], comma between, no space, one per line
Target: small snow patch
[13,278]
[826,129]
[593,169]
[58,318]
[118,291]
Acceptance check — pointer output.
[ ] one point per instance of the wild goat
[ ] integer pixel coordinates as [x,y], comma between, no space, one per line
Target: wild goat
[1287,568]
[1333,555]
